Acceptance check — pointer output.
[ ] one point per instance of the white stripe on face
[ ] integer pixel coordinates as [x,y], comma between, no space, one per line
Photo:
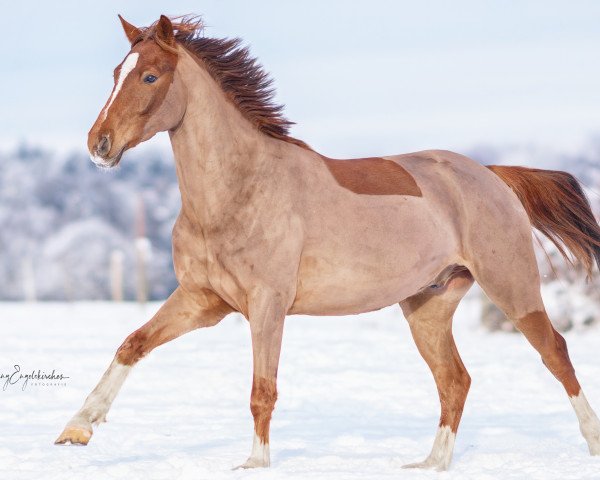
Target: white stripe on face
[126,68]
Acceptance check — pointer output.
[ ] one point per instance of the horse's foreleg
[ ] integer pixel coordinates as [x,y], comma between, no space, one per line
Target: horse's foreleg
[180,314]
[266,317]
[429,315]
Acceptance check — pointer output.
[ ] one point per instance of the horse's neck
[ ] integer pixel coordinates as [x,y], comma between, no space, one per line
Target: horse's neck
[217,151]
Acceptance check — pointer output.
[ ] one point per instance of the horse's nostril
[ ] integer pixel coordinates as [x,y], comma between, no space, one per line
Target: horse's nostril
[103,146]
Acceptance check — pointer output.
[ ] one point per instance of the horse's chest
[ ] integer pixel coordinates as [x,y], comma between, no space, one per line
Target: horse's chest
[214,263]
[189,257]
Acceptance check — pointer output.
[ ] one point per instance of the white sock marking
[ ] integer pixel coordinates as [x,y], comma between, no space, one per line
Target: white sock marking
[260,456]
[443,446]
[126,67]
[588,422]
[441,452]
[260,451]
[97,404]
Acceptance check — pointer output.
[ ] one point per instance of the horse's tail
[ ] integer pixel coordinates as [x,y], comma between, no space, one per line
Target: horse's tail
[557,207]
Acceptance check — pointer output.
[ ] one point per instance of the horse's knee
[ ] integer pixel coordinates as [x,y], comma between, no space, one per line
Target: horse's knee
[465,381]
[262,403]
[133,348]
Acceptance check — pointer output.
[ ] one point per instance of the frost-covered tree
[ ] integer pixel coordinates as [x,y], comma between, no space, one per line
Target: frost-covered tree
[61,218]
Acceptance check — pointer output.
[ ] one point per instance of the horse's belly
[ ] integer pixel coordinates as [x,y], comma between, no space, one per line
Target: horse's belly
[342,278]
[334,298]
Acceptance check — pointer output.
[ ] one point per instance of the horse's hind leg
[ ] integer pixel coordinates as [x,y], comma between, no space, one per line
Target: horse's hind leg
[180,314]
[507,271]
[552,347]
[429,315]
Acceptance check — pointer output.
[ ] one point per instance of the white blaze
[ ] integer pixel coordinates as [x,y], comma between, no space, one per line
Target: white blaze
[127,66]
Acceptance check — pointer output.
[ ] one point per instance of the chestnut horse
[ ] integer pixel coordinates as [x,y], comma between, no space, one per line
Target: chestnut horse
[269,227]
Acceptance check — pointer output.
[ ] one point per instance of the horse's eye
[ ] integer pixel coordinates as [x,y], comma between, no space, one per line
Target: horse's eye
[150,79]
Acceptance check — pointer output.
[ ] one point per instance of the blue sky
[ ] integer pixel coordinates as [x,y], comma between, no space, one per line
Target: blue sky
[359,78]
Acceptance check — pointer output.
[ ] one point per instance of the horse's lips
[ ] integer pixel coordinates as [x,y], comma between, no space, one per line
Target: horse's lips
[115,161]
[107,162]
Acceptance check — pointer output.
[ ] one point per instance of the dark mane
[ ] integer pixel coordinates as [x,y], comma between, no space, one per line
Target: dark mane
[238,73]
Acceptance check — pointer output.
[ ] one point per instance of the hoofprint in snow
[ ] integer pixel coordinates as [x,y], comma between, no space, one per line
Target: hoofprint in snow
[356,400]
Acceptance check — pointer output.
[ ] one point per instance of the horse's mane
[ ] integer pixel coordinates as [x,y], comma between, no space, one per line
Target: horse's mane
[237,72]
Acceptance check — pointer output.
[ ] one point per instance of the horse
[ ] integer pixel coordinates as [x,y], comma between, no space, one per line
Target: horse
[269,227]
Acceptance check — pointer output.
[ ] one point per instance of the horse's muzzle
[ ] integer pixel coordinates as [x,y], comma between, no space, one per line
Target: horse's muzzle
[103,146]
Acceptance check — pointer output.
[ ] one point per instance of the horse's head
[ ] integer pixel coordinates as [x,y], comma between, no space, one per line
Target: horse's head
[146,97]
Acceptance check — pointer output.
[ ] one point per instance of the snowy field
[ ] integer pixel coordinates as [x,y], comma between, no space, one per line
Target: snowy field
[356,400]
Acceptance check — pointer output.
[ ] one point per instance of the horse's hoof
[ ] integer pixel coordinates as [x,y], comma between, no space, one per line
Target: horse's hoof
[252,463]
[593,441]
[427,465]
[74,436]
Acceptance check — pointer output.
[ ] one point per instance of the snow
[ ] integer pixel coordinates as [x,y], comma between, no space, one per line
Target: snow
[355,400]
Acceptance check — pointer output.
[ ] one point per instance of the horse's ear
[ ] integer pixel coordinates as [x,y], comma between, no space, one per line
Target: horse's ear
[164,30]
[131,31]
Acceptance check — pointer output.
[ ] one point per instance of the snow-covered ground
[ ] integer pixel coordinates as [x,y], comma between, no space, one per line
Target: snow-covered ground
[356,400]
